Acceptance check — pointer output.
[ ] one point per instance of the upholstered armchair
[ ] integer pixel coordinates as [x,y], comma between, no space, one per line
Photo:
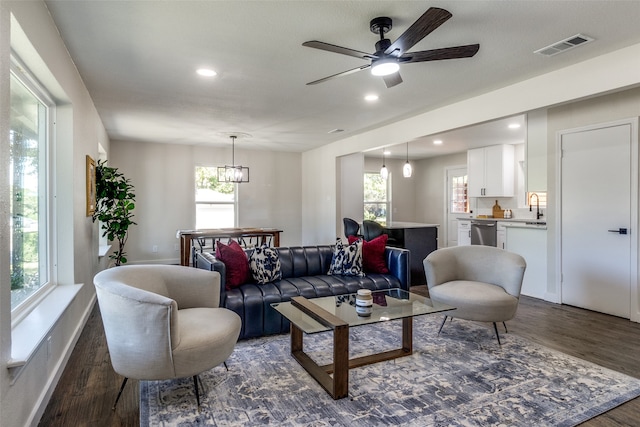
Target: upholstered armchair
[164,321]
[482,282]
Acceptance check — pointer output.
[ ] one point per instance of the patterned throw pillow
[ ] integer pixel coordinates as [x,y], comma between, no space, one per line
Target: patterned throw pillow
[235,262]
[347,261]
[265,265]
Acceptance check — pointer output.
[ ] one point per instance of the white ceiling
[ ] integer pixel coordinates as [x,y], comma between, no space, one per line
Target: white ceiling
[138,61]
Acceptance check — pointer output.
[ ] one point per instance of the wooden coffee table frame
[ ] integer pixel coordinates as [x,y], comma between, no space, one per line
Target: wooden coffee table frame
[338,384]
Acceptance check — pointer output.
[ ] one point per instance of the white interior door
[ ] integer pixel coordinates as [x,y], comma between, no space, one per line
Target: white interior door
[596,198]
[457,201]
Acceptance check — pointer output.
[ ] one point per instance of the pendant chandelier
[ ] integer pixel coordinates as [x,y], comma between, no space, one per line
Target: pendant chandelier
[234,173]
[406,169]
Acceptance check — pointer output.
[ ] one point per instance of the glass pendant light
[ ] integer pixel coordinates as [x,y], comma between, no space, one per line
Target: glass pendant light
[384,172]
[406,169]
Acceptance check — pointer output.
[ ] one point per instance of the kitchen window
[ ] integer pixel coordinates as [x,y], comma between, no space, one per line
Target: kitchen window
[377,199]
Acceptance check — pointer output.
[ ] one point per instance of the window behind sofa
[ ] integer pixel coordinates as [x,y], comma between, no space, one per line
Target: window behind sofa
[215,201]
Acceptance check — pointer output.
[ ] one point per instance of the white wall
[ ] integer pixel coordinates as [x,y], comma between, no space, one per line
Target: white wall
[536,153]
[350,188]
[610,72]
[78,131]
[163,177]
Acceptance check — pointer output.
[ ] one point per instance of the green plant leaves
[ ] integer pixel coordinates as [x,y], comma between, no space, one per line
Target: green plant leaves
[114,205]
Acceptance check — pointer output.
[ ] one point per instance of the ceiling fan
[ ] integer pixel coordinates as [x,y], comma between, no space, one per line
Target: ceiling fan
[386,60]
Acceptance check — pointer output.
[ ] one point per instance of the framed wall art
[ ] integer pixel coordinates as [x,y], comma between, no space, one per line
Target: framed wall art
[91,186]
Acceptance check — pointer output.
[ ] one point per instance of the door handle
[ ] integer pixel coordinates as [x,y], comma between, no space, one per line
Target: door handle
[619,231]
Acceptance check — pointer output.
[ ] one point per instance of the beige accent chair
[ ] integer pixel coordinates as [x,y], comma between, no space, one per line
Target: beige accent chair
[482,282]
[164,321]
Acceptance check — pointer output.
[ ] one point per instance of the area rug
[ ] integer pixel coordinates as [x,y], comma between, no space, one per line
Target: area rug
[460,378]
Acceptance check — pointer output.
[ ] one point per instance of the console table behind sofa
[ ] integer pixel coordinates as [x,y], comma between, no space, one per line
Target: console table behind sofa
[188,238]
[304,272]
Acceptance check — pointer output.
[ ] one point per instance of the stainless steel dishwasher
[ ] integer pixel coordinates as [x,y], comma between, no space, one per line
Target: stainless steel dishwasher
[484,233]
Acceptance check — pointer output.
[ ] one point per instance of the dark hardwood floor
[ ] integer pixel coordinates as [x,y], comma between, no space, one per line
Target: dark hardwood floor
[88,386]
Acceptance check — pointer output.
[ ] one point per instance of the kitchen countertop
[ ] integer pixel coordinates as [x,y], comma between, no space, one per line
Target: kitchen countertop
[403,224]
[517,222]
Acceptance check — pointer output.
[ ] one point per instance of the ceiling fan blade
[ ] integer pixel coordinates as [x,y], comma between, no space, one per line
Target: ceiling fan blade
[465,51]
[392,79]
[344,73]
[338,49]
[429,21]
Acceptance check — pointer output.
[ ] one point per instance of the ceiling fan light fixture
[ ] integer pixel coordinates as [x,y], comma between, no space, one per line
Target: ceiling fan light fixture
[385,67]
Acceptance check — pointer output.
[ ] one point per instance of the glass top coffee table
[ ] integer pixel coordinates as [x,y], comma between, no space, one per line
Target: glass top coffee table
[337,314]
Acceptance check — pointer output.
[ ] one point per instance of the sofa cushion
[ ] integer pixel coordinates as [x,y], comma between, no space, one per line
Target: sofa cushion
[482,302]
[264,263]
[347,261]
[236,262]
[373,259]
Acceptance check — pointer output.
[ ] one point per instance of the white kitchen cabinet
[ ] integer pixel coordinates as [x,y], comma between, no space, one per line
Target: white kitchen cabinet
[501,236]
[501,233]
[490,171]
[531,243]
[464,233]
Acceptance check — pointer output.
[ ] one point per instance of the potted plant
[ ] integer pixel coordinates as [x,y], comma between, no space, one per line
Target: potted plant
[114,205]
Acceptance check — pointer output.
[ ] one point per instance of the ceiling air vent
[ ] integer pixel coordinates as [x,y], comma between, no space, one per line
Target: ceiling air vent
[564,45]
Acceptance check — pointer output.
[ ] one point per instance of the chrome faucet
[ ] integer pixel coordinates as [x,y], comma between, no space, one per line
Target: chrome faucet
[538,213]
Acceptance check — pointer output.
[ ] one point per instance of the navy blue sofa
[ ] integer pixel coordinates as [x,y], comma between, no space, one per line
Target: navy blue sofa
[304,272]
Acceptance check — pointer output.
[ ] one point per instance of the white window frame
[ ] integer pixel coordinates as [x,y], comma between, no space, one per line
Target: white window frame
[386,202]
[21,72]
[218,203]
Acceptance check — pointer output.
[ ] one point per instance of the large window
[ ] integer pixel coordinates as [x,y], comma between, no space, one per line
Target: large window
[30,263]
[215,201]
[377,201]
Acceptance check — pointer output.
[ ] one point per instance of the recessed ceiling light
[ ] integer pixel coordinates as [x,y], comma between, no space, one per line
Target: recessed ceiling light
[206,72]
[386,152]
[371,97]
[514,126]
[437,141]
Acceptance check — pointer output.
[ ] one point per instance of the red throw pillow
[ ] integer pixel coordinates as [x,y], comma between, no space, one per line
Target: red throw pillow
[373,260]
[236,263]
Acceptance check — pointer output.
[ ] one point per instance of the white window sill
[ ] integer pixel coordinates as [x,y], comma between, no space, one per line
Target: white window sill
[29,334]
[103,250]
